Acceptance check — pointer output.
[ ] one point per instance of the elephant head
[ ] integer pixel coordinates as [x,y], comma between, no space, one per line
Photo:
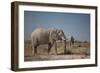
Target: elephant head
[61,35]
[57,34]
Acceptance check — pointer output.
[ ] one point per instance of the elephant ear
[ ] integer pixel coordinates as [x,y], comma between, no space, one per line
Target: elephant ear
[53,35]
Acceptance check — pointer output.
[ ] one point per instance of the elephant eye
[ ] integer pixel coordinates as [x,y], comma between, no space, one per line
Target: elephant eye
[60,32]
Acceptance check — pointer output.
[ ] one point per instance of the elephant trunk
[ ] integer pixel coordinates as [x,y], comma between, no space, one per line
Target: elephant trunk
[64,39]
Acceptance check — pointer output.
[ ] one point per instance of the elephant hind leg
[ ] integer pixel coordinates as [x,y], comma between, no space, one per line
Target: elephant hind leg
[34,50]
[34,46]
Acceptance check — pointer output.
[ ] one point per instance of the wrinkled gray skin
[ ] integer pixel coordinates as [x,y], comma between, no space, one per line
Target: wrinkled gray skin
[42,36]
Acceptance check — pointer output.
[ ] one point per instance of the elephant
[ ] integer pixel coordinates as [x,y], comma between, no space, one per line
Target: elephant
[47,36]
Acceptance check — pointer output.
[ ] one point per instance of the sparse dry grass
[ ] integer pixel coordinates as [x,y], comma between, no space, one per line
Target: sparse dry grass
[77,51]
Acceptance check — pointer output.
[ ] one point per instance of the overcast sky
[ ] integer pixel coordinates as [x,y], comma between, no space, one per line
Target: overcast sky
[73,24]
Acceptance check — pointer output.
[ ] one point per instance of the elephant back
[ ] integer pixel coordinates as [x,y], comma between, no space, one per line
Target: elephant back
[41,35]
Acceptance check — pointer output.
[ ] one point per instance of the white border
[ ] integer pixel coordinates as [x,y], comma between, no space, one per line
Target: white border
[34,64]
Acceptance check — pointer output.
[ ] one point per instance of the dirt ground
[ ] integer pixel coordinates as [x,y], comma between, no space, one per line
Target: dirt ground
[80,50]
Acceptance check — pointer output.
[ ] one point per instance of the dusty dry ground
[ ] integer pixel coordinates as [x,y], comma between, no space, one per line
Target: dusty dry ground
[80,50]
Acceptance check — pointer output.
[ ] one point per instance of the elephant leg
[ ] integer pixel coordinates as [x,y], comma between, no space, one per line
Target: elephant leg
[34,45]
[49,47]
[55,47]
[35,50]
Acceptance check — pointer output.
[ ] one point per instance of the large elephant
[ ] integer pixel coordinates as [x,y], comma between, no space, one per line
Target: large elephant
[46,36]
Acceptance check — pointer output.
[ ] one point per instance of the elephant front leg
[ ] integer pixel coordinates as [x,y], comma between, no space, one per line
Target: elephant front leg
[49,47]
[55,44]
